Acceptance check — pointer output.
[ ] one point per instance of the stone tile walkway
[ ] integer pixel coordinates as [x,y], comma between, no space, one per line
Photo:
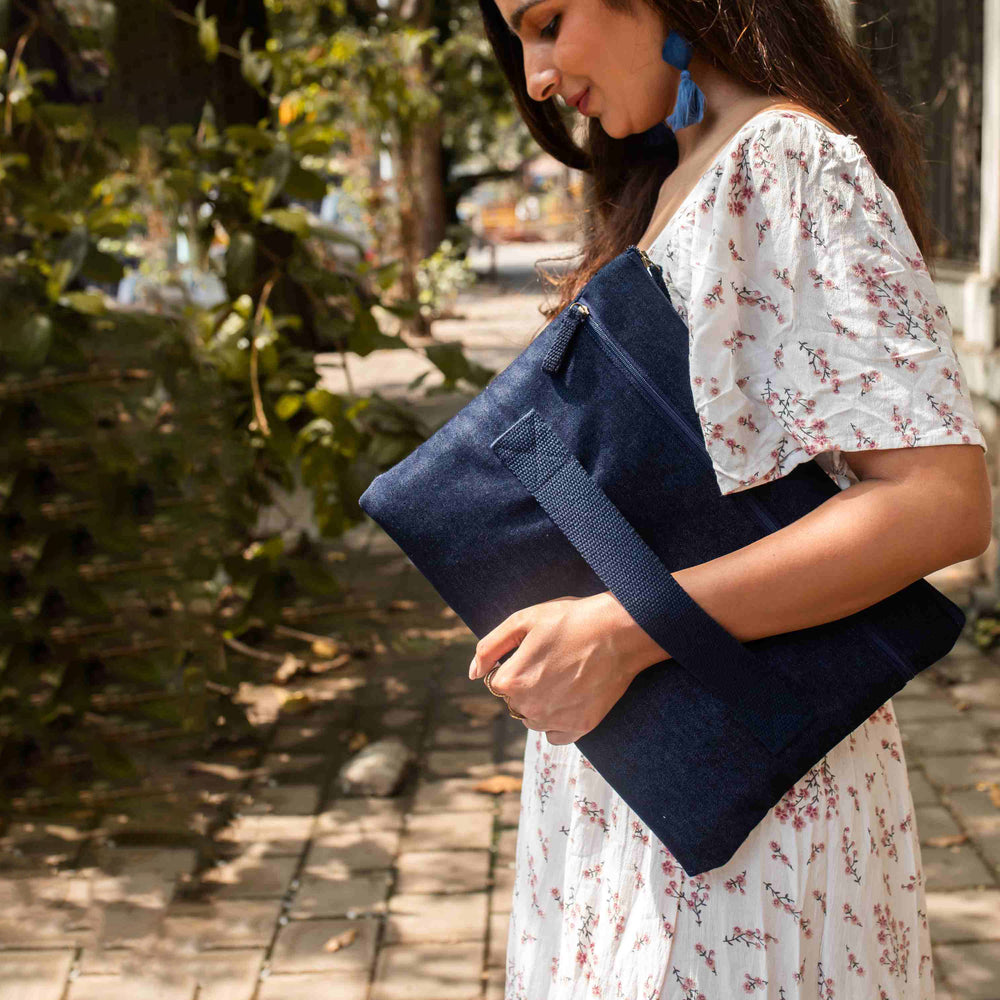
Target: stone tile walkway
[305,894]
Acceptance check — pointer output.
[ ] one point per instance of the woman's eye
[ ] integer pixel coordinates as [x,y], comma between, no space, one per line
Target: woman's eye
[549,31]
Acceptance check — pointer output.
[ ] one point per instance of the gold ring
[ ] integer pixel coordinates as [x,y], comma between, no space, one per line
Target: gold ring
[510,711]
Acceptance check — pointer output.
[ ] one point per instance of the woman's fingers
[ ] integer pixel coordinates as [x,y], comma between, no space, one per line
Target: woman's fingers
[507,636]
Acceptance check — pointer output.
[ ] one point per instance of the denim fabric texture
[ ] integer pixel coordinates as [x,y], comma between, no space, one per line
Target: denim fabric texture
[580,468]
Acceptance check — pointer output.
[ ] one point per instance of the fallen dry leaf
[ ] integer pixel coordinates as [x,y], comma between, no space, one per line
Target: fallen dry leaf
[322,666]
[480,710]
[290,666]
[962,705]
[498,784]
[357,741]
[401,604]
[297,702]
[993,788]
[325,649]
[950,840]
[339,941]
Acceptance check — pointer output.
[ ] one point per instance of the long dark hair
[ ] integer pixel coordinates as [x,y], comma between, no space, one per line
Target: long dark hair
[792,49]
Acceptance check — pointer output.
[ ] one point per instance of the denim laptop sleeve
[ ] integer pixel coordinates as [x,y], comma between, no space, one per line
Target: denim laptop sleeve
[580,468]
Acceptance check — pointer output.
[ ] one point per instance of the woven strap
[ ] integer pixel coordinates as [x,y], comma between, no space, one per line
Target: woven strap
[766,705]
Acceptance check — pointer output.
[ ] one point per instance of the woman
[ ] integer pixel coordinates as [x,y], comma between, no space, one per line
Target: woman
[786,215]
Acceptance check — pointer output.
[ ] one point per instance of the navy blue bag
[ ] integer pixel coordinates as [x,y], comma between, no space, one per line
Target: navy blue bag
[581,467]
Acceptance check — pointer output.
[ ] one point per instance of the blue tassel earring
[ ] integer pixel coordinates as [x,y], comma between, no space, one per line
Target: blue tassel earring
[690,106]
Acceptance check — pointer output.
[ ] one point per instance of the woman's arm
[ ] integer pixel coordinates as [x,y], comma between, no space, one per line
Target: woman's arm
[915,511]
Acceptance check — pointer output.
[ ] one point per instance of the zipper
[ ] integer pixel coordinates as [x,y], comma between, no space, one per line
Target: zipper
[619,355]
[654,270]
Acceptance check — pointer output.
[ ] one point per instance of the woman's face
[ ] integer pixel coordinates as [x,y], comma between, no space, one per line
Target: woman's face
[572,45]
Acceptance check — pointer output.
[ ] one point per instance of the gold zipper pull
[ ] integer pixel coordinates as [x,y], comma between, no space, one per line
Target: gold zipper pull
[645,257]
[582,308]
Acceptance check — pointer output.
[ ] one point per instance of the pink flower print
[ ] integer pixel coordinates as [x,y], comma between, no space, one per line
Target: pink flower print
[837,207]
[799,157]
[820,366]
[752,983]
[899,361]
[840,329]
[894,936]
[746,420]
[850,916]
[850,852]
[824,984]
[737,883]
[736,340]
[763,228]
[714,296]
[853,182]
[917,263]
[904,427]
[778,356]
[878,244]
[782,276]
[778,855]
[820,282]
[869,380]
[747,296]
[808,227]
[853,965]
[784,901]
[708,956]
[734,253]
[874,207]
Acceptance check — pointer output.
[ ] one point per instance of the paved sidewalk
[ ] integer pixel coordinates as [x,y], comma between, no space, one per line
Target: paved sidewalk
[305,895]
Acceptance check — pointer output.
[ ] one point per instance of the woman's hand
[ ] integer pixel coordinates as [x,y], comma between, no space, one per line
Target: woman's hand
[576,656]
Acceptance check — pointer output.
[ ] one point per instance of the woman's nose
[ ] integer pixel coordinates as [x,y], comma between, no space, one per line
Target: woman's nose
[541,81]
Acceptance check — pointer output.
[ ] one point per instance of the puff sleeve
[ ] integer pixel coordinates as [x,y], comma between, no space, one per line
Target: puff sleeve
[815,328]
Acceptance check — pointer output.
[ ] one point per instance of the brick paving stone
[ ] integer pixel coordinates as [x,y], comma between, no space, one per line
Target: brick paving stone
[910,710]
[983,692]
[922,791]
[921,686]
[300,946]
[33,975]
[284,800]
[496,982]
[252,873]
[459,735]
[503,887]
[443,919]
[953,868]
[468,761]
[221,923]
[442,871]
[935,821]
[315,986]
[322,894]
[972,971]
[443,831]
[510,809]
[221,975]
[958,770]
[968,915]
[450,794]
[350,850]
[976,810]
[277,835]
[283,766]
[930,736]
[367,813]
[429,972]
[496,954]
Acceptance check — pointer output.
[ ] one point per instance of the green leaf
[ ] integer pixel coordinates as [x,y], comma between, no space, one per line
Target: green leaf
[208,33]
[102,267]
[241,259]
[305,185]
[89,303]
[70,255]
[255,66]
[291,220]
[288,405]
[454,365]
[27,345]
[274,173]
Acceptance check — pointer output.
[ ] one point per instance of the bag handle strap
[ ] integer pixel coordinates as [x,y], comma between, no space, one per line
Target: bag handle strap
[767,706]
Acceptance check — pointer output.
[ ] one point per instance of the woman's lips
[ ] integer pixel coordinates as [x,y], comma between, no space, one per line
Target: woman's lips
[581,105]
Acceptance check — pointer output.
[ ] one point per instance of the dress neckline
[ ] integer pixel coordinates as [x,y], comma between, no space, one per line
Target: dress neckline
[696,188]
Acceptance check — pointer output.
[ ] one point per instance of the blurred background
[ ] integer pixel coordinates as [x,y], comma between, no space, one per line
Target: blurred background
[252,253]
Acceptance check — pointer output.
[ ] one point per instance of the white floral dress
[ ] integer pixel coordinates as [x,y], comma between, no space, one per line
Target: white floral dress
[814,329]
